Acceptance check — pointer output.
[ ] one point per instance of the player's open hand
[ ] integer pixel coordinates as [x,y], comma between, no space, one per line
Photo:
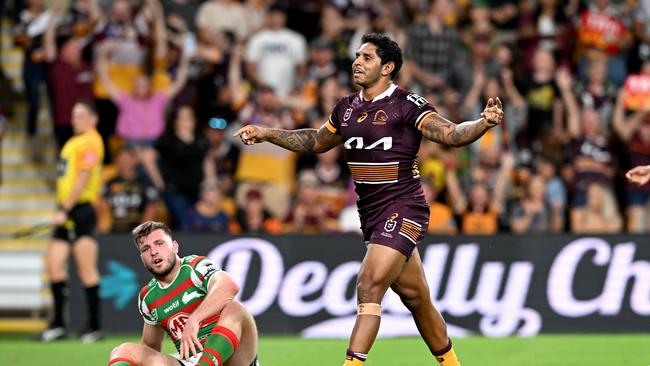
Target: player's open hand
[493,112]
[250,134]
[639,175]
[190,344]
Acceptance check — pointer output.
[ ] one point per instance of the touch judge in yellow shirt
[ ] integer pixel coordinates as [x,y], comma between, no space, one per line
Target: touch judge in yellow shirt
[77,189]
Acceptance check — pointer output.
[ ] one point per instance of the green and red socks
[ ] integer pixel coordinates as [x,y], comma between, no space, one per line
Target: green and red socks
[219,346]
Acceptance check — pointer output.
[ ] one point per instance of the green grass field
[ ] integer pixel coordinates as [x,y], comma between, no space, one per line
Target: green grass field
[565,350]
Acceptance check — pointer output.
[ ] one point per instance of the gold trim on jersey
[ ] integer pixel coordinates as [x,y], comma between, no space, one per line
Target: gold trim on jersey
[374,173]
[410,230]
[330,126]
[420,120]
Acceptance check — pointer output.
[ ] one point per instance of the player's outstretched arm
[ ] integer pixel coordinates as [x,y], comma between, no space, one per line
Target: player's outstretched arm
[639,175]
[304,141]
[439,129]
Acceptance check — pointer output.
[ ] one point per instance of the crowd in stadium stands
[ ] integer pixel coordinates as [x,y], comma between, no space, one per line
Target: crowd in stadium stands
[172,79]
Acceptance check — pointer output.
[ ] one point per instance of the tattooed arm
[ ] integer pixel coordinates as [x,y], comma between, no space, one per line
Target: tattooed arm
[305,141]
[438,129]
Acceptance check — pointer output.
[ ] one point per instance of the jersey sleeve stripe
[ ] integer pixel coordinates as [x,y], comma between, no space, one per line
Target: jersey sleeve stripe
[196,260]
[330,126]
[144,291]
[422,117]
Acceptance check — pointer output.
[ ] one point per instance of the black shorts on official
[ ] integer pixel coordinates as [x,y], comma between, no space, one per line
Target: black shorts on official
[82,220]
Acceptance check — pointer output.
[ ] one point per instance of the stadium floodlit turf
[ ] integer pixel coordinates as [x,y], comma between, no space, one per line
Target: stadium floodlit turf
[564,350]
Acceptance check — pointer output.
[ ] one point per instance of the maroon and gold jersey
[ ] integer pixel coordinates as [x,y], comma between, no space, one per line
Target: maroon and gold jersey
[381,139]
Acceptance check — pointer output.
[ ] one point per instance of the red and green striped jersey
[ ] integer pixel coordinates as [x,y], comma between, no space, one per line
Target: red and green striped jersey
[170,306]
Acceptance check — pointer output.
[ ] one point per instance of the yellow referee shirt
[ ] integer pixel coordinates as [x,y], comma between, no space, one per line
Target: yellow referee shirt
[81,152]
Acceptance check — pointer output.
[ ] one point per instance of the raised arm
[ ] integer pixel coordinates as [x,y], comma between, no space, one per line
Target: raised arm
[304,141]
[102,70]
[181,76]
[625,127]
[563,79]
[439,129]
[49,42]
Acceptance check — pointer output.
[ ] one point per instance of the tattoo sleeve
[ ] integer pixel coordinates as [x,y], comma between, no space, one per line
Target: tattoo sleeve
[438,129]
[304,141]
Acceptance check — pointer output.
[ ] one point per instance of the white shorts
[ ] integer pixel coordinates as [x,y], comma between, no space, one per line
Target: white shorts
[194,360]
[191,362]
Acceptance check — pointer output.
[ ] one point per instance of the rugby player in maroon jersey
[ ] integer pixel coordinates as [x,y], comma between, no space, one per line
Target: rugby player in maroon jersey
[381,128]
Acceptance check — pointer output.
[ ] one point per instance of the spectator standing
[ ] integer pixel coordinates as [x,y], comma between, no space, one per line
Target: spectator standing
[69,75]
[276,56]
[590,156]
[141,117]
[634,131]
[433,48]
[180,149]
[29,35]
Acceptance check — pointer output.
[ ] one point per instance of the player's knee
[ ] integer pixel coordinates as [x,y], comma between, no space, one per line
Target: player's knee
[414,299]
[369,290]
[126,350]
[233,309]
[232,316]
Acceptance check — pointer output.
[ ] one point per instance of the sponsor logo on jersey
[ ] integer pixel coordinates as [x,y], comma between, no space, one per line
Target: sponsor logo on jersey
[417,100]
[187,297]
[348,113]
[176,325]
[362,117]
[380,118]
[391,223]
[171,307]
[154,315]
[206,268]
[415,170]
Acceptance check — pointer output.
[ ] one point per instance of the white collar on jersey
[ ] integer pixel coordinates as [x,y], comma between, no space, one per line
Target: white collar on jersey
[387,93]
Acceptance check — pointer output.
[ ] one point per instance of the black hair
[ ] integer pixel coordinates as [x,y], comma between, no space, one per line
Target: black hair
[89,105]
[387,50]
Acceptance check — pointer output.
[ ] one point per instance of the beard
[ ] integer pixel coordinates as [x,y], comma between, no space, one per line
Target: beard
[163,271]
[370,80]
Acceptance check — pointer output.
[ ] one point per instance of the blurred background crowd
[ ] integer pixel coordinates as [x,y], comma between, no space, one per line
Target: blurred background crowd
[172,79]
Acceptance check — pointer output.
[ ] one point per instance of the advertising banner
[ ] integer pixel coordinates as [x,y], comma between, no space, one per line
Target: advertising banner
[490,285]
